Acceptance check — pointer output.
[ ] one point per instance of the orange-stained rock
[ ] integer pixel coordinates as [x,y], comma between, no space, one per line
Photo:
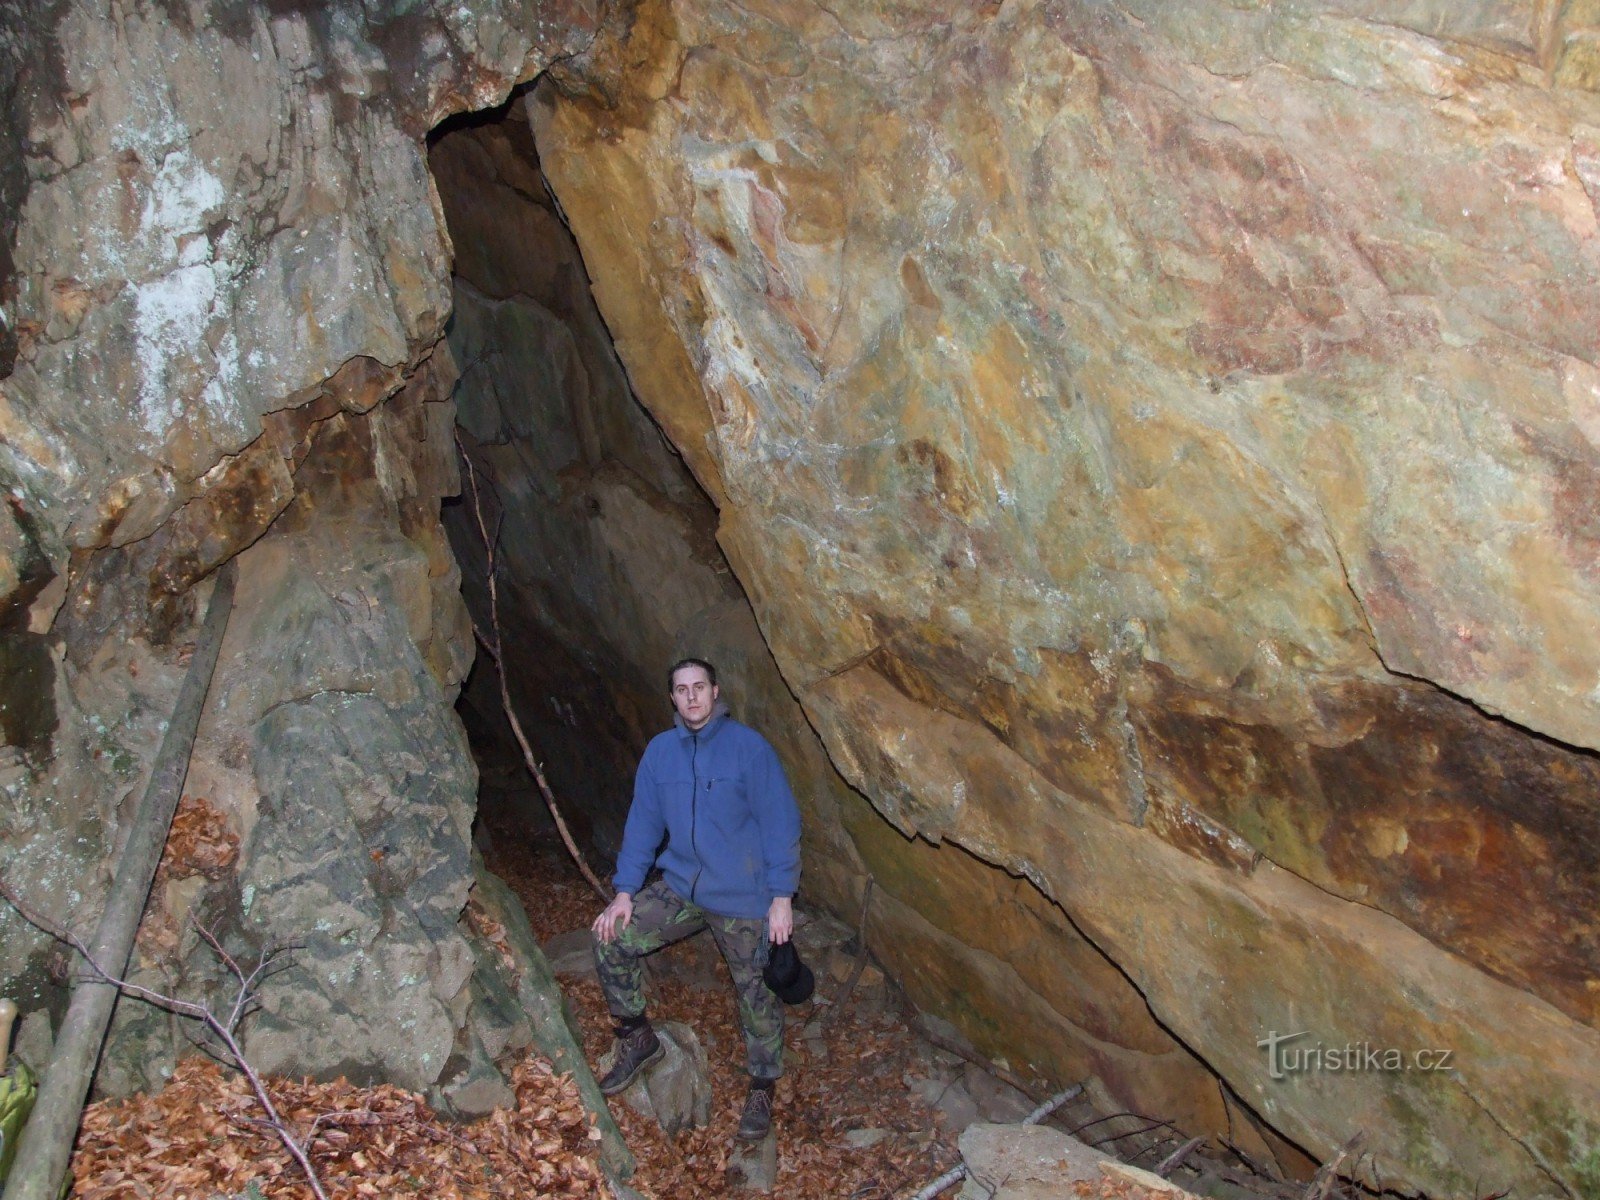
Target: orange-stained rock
[1159,444]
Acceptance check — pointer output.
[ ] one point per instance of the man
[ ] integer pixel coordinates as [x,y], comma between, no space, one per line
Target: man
[715,790]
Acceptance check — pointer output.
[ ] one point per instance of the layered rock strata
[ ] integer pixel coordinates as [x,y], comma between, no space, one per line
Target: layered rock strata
[1159,443]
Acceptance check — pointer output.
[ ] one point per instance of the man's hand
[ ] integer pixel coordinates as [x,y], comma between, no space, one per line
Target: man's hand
[615,918]
[780,920]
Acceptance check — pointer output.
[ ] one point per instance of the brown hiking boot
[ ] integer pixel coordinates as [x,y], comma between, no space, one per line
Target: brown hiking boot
[757,1116]
[636,1049]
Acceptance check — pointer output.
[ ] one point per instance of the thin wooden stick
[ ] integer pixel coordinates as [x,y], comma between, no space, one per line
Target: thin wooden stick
[46,1145]
[949,1179]
[494,651]
[1254,1179]
[1153,1124]
[1174,1160]
[1322,1182]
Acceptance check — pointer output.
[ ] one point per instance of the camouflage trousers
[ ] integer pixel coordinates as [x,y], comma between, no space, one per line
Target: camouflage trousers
[661,917]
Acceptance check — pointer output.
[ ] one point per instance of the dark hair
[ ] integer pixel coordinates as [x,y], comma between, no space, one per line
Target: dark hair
[711,672]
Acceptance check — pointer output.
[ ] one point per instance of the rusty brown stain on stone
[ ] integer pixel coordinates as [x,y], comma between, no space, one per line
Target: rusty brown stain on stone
[1473,833]
[248,491]
[1576,488]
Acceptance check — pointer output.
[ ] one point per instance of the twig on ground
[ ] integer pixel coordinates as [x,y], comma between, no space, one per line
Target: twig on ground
[949,1179]
[1054,1102]
[1267,1170]
[1154,1123]
[493,648]
[1149,1125]
[955,1174]
[1322,1182]
[225,1030]
[1253,1178]
[1175,1160]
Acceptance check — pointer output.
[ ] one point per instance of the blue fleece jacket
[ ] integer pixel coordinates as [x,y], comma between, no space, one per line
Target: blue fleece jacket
[732,828]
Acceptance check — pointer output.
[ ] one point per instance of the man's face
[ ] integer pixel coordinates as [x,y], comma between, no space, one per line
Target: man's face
[693,695]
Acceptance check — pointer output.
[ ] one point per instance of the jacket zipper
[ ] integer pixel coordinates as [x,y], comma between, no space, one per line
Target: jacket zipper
[694,808]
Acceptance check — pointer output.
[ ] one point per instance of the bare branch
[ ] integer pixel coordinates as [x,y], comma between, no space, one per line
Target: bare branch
[1322,1182]
[227,959]
[184,1008]
[861,957]
[225,1031]
[1154,1123]
[1174,1160]
[490,543]
[955,1174]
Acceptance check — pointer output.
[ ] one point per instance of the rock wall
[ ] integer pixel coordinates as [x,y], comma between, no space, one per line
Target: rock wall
[224,286]
[1159,444]
[1157,441]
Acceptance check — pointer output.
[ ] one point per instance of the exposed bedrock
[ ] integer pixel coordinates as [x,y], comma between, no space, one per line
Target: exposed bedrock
[1159,444]
[225,287]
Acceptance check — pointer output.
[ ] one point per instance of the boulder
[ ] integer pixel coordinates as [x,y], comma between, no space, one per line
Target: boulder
[997,1100]
[571,954]
[676,1091]
[753,1166]
[948,1096]
[1035,1162]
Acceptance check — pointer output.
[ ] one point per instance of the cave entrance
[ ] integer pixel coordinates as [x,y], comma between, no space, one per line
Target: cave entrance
[607,566]
[608,570]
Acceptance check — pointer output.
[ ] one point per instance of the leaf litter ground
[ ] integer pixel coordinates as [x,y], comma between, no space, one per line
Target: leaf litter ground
[855,1082]
[199,1138]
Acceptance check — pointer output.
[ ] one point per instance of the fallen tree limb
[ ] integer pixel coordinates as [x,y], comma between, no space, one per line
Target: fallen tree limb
[493,649]
[46,1145]
[957,1173]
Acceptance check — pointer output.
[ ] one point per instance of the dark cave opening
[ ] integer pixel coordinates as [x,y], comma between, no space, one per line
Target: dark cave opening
[606,562]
